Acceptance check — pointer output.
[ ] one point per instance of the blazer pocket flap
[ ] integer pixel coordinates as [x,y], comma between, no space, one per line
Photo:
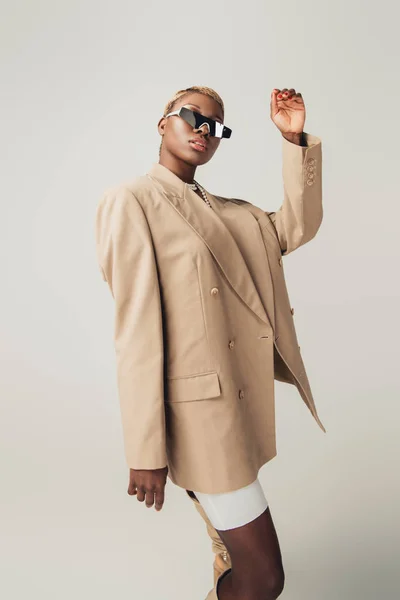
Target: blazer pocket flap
[194,387]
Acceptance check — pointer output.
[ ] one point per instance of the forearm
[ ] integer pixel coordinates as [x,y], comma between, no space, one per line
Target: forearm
[298,219]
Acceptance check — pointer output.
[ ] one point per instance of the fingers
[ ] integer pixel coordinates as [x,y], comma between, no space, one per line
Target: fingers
[132,487]
[145,494]
[152,497]
[285,94]
[159,499]
[148,486]
[274,101]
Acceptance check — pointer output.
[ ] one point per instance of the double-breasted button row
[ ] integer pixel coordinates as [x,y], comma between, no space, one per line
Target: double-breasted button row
[310,170]
[214,291]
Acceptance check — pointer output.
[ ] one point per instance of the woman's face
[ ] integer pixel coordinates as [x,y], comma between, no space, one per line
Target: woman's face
[177,133]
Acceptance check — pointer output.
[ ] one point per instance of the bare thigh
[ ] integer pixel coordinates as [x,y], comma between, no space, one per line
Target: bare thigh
[257,569]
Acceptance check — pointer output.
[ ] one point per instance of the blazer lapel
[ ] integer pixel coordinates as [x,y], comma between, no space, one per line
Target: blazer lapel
[244,224]
[214,233]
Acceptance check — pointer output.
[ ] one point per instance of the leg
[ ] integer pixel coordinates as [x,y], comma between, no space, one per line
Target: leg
[221,556]
[257,571]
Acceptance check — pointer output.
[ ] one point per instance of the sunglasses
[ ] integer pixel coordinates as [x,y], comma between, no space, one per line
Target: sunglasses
[197,120]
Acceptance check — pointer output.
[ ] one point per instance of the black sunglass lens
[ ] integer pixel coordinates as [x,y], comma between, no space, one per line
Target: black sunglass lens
[196,120]
[188,115]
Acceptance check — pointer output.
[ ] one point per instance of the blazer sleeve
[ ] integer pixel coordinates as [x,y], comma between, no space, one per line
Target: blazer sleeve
[127,263]
[300,215]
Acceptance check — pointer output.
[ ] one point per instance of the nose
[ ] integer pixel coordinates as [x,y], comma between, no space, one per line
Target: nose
[204,128]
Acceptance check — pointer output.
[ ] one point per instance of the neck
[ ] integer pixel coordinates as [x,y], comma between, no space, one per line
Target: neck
[178,167]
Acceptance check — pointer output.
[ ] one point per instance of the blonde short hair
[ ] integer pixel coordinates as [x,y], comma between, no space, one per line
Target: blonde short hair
[194,88]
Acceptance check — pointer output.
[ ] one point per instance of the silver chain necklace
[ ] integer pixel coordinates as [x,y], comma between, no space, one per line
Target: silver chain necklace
[193,186]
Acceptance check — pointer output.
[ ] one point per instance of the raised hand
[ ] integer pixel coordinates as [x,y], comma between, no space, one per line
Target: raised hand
[287,110]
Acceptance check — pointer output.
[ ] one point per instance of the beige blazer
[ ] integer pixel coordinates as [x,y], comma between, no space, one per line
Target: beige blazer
[203,321]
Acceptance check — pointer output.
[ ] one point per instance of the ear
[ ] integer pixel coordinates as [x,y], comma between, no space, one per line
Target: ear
[161,125]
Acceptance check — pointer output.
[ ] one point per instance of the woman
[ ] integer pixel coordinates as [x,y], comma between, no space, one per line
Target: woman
[203,326]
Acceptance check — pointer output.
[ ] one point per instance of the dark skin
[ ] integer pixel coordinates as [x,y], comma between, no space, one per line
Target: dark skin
[177,154]
[257,569]
[287,111]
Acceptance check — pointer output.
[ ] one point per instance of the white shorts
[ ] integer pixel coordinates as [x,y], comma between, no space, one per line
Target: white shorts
[233,509]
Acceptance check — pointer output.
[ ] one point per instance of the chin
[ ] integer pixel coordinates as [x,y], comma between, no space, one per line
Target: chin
[195,161]
[199,158]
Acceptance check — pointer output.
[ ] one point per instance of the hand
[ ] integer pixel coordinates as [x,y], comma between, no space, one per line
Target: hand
[288,112]
[148,483]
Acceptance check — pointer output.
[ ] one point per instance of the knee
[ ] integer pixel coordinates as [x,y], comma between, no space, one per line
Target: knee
[268,586]
[274,584]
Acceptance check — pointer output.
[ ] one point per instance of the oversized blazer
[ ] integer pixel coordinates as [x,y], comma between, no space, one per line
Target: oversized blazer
[203,321]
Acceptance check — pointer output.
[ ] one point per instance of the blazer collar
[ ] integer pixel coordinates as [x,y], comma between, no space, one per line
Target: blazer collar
[174,184]
[214,233]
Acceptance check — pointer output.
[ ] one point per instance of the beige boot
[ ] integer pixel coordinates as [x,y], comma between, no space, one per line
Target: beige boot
[222,560]
[213,594]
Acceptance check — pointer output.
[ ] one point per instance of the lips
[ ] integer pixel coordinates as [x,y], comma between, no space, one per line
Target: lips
[199,141]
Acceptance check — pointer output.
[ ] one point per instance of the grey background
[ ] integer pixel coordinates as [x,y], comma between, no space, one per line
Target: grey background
[83,86]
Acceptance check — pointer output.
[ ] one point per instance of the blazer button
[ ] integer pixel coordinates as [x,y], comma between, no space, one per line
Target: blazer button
[231,344]
[214,291]
[292,311]
[241,394]
[280,261]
